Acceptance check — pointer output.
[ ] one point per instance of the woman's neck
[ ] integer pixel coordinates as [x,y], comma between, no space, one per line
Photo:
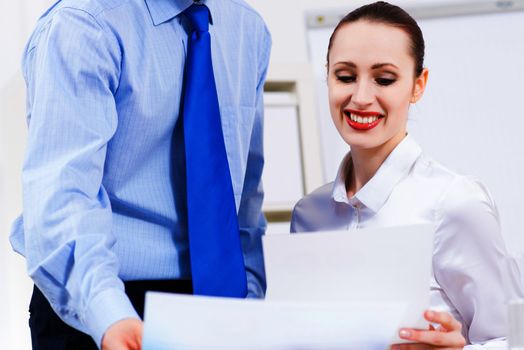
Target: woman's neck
[365,162]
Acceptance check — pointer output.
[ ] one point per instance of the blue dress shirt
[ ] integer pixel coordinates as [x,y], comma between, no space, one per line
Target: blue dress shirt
[103,199]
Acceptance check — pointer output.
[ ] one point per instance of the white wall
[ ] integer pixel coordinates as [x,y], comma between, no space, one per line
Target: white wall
[12,268]
[286,21]
[287,24]
[16,21]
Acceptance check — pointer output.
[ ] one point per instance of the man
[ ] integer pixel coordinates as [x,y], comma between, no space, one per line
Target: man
[105,213]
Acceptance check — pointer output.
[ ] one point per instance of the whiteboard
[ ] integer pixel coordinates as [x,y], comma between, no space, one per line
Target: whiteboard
[471,118]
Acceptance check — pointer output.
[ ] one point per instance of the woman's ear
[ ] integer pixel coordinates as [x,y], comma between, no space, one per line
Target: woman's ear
[420,86]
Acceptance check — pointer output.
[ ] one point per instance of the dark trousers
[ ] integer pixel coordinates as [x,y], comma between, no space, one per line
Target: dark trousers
[49,332]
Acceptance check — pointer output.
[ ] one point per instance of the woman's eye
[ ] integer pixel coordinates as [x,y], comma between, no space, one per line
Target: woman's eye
[346,78]
[384,81]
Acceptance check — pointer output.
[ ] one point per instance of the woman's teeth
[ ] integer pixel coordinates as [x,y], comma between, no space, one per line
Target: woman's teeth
[363,120]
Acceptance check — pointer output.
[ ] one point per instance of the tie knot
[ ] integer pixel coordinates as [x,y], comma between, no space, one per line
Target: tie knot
[198,16]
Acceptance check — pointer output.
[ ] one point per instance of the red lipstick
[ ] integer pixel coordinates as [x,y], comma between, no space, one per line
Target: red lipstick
[362,120]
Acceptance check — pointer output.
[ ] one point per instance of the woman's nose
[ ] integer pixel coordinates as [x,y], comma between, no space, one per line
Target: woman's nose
[362,94]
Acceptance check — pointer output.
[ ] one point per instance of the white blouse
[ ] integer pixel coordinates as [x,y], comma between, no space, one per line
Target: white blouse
[473,275]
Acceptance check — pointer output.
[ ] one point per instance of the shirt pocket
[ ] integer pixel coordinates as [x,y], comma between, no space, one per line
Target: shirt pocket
[237,126]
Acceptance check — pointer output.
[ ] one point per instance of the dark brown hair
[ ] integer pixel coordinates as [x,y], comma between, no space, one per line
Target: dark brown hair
[385,13]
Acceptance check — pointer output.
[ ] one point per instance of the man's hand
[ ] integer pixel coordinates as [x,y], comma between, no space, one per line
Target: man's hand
[124,335]
[447,336]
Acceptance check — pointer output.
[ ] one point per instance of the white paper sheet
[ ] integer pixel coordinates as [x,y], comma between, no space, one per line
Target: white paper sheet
[368,266]
[183,322]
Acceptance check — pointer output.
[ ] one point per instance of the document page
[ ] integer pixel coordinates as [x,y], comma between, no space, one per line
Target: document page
[185,322]
[385,265]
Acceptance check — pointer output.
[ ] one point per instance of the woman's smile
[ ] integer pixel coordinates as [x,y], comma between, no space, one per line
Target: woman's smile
[362,120]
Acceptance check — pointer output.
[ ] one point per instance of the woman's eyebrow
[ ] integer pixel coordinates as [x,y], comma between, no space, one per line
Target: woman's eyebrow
[346,63]
[375,66]
[381,65]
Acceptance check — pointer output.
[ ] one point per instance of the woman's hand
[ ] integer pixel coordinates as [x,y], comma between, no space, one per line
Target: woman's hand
[447,336]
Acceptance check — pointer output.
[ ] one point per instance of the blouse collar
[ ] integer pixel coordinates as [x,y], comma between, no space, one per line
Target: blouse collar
[377,190]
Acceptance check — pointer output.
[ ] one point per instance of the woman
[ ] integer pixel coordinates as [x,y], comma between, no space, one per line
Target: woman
[375,72]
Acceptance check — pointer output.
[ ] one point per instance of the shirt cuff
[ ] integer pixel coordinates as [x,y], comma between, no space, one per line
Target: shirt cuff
[108,307]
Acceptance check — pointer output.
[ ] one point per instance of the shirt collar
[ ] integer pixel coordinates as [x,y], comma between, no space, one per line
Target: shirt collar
[378,189]
[164,10]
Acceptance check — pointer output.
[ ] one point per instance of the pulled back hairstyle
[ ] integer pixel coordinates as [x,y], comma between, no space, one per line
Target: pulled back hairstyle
[385,13]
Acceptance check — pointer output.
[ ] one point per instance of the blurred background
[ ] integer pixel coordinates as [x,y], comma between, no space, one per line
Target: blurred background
[470,119]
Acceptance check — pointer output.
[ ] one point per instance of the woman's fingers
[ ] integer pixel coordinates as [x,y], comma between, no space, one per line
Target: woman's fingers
[448,335]
[436,338]
[447,322]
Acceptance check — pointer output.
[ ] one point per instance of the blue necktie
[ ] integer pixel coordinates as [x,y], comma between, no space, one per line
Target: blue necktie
[217,263]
